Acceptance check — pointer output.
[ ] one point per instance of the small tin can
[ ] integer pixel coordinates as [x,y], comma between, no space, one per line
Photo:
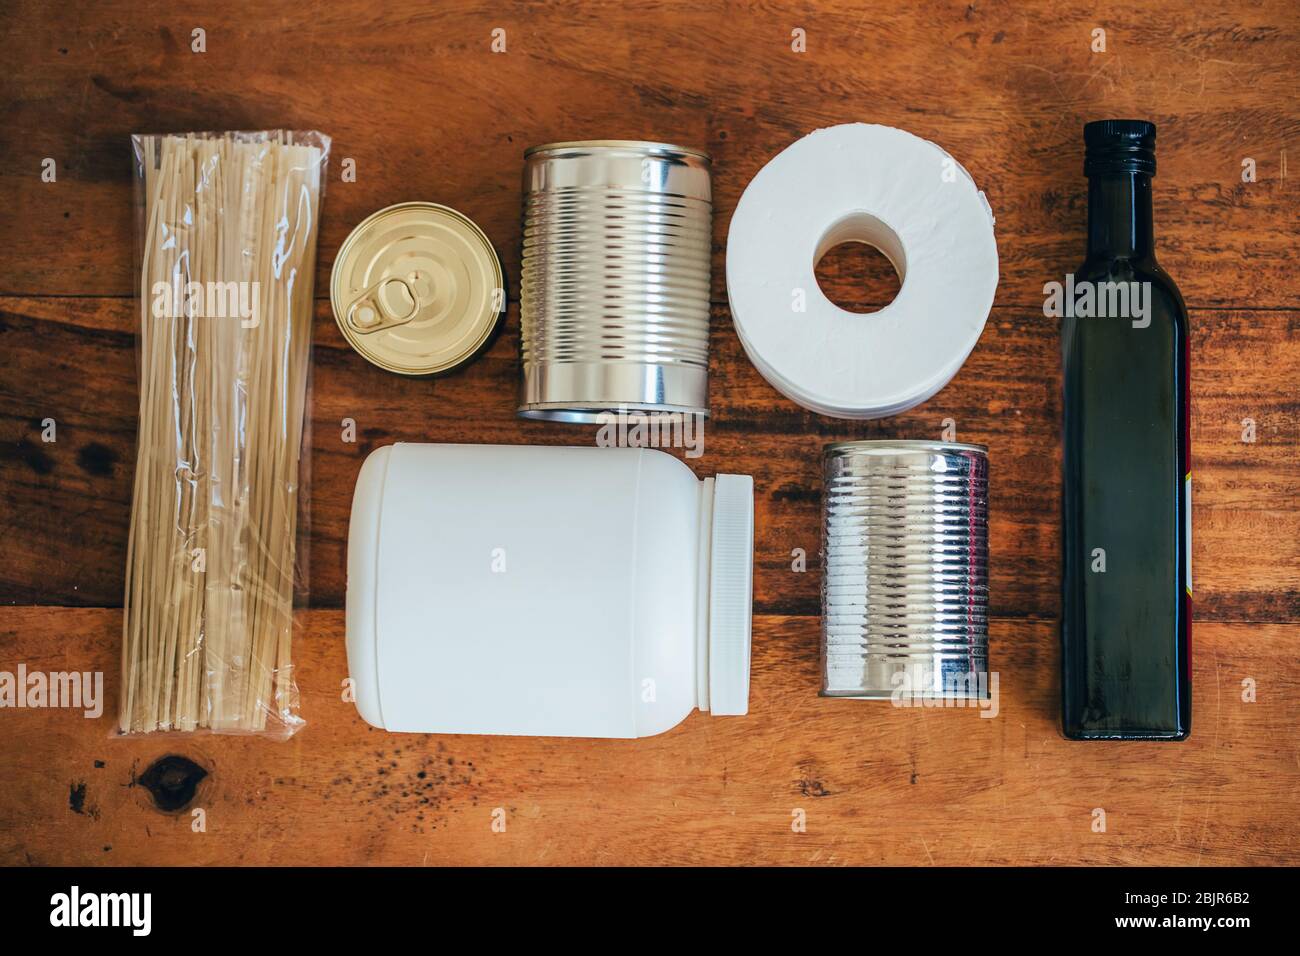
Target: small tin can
[905,570]
[417,289]
[614,291]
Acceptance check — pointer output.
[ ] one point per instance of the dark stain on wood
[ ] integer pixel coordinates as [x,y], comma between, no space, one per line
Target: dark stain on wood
[812,788]
[31,454]
[77,797]
[78,803]
[793,492]
[172,782]
[429,786]
[96,459]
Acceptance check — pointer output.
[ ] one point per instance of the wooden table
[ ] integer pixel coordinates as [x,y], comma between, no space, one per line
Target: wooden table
[413,93]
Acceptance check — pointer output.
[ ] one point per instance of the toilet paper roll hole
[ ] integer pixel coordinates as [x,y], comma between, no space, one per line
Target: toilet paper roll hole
[860,264]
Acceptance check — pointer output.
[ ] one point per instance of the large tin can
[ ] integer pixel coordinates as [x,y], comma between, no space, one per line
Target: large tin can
[905,570]
[614,296]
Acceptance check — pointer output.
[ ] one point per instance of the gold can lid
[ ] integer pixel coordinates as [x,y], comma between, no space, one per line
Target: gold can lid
[417,289]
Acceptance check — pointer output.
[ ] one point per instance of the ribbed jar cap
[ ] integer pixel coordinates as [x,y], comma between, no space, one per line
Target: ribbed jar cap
[731,594]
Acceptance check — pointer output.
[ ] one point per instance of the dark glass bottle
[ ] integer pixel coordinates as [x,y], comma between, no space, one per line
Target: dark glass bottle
[1126,596]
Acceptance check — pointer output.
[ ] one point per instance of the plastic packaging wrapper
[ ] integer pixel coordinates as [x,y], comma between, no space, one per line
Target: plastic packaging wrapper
[226,248]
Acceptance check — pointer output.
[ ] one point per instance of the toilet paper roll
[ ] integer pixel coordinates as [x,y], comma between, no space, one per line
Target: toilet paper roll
[912,201]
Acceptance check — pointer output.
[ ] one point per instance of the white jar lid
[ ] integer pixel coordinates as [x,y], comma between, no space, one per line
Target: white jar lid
[731,594]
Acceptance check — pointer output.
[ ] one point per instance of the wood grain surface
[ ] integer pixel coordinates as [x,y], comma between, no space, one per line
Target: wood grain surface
[876,784]
[413,94]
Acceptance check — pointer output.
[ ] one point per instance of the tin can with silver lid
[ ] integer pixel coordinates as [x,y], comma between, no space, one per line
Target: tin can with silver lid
[614,293]
[417,289]
[905,570]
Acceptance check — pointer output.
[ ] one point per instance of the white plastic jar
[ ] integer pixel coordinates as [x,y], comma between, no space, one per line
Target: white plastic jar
[576,592]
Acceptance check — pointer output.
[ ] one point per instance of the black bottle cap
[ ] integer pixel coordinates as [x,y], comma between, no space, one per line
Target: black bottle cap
[1119,146]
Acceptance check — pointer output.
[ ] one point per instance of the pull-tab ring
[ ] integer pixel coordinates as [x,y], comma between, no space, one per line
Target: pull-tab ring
[368,312]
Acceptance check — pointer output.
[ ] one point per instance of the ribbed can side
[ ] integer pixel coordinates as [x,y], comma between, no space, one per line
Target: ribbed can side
[905,569]
[614,303]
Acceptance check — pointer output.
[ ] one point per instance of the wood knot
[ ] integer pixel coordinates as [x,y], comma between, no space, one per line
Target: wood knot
[172,781]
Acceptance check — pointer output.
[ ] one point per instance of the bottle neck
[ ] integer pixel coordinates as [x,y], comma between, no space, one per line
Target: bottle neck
[1119,216]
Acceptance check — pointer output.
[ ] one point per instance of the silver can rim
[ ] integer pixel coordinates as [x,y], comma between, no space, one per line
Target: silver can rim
[644,146]
[887,445]
[577,413]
